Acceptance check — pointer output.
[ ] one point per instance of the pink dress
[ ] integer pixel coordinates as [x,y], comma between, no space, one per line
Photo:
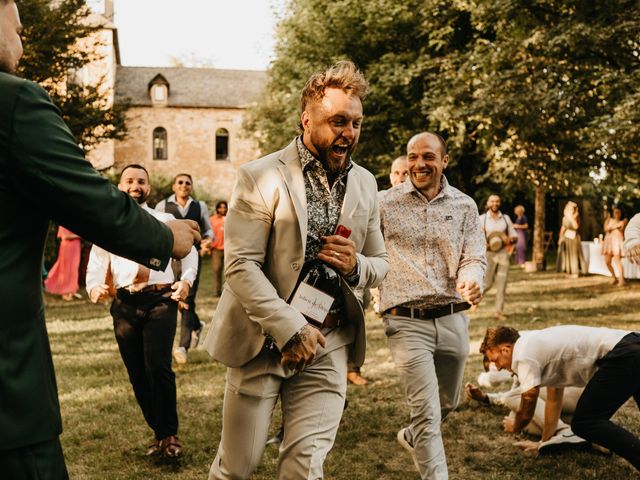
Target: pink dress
[63,276]
[614,239]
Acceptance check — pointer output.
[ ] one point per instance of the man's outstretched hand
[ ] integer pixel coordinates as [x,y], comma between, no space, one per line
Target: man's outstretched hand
[185,234]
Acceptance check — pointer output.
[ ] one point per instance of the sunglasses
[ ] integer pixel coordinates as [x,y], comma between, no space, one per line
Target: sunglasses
[184,182]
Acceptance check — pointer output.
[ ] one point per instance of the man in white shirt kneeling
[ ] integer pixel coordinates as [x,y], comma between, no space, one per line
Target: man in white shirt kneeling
[603,360]
[144,311]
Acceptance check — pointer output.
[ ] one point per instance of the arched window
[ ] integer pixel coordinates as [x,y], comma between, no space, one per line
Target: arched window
[159,144]
[222,144]
[159,93]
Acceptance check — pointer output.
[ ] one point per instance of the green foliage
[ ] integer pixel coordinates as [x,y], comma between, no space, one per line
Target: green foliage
[527,93]
[52,49]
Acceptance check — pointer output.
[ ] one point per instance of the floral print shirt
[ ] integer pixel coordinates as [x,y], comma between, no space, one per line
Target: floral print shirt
[324,203]
[432,245]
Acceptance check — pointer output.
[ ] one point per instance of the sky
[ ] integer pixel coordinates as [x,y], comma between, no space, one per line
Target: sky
[233,34]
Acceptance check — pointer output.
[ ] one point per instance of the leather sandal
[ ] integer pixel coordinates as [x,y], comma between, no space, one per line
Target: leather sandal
[171,447]
[153,449]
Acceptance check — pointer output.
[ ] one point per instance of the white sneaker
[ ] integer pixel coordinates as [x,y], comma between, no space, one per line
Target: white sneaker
[402,440]
[180,355]
[563,439]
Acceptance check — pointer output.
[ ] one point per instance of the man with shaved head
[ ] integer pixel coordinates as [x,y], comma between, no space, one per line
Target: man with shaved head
[437,257]
[399,171]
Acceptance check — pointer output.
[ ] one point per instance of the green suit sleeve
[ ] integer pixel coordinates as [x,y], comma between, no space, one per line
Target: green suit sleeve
[51,168]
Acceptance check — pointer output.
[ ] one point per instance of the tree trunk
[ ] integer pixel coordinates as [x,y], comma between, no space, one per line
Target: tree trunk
[539,228]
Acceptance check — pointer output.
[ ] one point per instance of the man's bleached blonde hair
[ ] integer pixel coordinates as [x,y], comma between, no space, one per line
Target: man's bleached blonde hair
[343,75]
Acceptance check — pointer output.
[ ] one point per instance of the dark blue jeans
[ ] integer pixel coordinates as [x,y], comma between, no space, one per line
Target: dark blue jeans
[616,381]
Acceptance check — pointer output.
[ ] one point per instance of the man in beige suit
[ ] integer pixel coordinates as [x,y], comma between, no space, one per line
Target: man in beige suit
[284,211]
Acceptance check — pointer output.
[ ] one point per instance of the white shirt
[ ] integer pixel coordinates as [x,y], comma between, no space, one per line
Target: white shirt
[563,356]
[501,224]
[124,271]
[205,223]
[632,233]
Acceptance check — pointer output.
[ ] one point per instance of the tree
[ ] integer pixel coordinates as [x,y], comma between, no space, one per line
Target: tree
[393,43]
[57,44]
[541,79]
[539,95]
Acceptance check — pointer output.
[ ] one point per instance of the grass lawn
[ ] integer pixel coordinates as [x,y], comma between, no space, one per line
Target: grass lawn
[105,435]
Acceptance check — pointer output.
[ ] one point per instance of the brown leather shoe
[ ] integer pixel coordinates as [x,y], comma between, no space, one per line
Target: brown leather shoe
[171,446]
[355,378]
[153,449]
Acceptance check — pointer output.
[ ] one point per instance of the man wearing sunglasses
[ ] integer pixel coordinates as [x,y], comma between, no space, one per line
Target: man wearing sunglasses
[183,206]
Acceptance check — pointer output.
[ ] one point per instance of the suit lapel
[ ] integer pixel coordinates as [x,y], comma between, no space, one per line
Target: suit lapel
[291,170]
[351,197]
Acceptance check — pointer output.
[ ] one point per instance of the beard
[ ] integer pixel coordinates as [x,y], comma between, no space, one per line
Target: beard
[325,154]
[142,198]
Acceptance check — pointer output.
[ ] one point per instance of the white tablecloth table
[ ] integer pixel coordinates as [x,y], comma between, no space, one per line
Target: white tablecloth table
[593,256]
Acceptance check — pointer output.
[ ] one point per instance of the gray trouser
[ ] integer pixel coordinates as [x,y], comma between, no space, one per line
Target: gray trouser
[498,270]
[430,356]
[312,404]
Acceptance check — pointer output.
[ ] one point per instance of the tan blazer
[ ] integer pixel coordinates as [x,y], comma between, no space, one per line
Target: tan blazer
[265,236]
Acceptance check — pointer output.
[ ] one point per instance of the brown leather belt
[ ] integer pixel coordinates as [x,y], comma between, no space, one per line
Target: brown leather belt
[332,320]
[156,287]
[428,313]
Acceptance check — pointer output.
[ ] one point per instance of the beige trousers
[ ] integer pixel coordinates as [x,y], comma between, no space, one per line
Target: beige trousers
[312,404]
[498,270]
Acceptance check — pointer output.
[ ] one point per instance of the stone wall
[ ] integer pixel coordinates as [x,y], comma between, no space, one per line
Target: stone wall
[191,145]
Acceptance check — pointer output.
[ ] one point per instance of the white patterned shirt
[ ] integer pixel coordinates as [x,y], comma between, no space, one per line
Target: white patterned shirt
[432,245]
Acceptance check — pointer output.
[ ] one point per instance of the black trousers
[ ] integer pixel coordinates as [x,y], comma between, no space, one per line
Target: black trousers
[613,384]
[145,325]
[189,319]
[40,461]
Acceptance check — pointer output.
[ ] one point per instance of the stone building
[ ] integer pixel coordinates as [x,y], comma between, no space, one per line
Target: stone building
[179,119]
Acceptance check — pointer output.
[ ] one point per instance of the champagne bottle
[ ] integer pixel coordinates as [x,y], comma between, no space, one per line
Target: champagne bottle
[323,277]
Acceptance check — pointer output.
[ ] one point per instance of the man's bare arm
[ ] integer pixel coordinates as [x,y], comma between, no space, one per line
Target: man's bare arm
[525,413]
[552,409]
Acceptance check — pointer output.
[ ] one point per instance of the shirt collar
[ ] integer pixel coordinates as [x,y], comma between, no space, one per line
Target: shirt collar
[172,199]
[307,158]
[445,189]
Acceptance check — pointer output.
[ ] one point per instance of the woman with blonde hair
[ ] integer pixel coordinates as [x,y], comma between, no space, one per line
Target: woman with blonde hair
[570,258]
[612,246]
[522,226]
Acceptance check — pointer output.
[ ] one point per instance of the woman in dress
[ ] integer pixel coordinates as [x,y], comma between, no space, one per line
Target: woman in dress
[521,225]
[570,258]
[612,245]
[63,276]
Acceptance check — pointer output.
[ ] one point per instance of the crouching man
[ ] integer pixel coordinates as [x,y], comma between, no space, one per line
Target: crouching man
[600,359]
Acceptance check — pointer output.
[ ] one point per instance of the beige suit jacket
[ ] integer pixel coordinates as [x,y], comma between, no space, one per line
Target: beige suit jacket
[265,236]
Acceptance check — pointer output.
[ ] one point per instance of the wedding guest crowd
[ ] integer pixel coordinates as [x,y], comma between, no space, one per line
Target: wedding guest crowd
[307,207]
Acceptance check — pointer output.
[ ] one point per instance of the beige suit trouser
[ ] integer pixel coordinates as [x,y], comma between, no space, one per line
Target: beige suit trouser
[312,404]
[498,270]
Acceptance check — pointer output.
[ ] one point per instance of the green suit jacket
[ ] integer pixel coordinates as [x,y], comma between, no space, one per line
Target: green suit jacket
[44,176]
